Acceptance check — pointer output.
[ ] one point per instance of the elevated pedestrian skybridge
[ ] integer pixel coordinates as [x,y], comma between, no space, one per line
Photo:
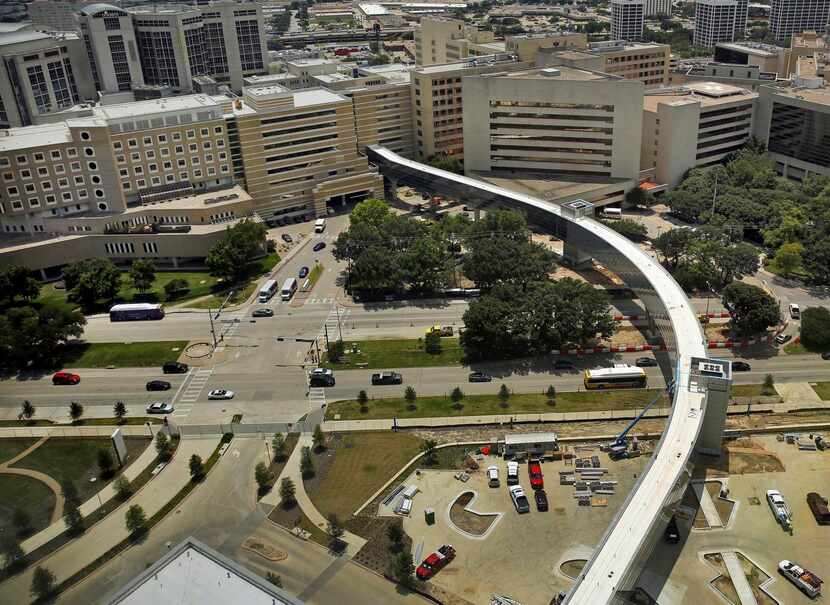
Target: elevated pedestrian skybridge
[627,544]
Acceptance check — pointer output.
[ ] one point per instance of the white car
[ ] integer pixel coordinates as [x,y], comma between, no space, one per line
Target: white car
[512,472]
[321,372]
[492,476]
[160,407]
[517,494]
[220,394]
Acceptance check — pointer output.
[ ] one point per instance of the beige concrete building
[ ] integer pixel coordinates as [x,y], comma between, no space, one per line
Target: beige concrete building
[553,121]
[442,40]
[693,126]
[299,150]
[525,47]
[41,75]
[807,44]
[646,62]
[172,233]
[768,57]
[437,102]
[795,123]
[111,47]
[383,116]
[745,76]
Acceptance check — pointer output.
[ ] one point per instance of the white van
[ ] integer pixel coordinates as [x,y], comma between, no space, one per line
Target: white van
[795,311]
[492,476]
[611,213]
[319,225]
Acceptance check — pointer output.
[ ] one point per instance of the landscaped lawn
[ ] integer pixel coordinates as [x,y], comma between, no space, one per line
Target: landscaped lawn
[398,353]
[75,459]
[28,494]
[748,390]
[823,390]
[125,355]
[9,448]
[473,405]
[359,465]
[200,283]
[240,291]
[796,348]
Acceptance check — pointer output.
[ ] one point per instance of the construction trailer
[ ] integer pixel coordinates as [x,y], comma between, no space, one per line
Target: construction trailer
[534,445]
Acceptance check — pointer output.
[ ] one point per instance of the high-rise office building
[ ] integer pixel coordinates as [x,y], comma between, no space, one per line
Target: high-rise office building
[741,15]
[54,15]
[111,46]
[657,7]
[437,102]
[627,17]
[41,74]
[790,17]
[715,22]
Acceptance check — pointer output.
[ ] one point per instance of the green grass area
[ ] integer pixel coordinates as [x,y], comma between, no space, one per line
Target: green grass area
[748,390]
[796,348]
[9,448]
[475,405]
[360,464]
[200,283]
[75,459]
[822,389]
[315,274]
[125,355]
[83,422]
[28,494]
[241,291]
[397,353]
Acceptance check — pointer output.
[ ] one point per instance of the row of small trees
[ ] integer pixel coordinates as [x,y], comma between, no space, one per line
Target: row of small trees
[456,396]
[76,411]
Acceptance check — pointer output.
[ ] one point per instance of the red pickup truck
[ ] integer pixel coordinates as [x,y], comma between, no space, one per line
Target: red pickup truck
[435,562]
[534,469]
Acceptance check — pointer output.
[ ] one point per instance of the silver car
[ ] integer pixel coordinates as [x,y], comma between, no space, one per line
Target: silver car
[220,394]
[160,407]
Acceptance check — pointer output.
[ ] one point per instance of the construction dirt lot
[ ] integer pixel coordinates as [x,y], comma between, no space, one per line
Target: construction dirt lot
[514,555]
[678,573]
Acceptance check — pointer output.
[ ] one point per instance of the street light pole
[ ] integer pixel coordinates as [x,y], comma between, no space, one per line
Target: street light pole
[212,330]
[339,329]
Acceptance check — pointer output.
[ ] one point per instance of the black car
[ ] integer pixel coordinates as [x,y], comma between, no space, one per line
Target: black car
[174,367]
[826,356]
[541,500]
[563,364]
[381,378]
[303,272]
[158,385]
[287,238]
[479,377]
[263,313]
[741,366]
[319,246]
[321,380]
[672,533]
[645,362]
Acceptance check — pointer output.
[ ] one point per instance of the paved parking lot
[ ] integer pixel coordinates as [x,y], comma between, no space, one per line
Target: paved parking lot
[521,554]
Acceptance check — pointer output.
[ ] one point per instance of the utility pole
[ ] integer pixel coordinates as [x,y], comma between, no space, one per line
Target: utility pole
[212,331]
[339,329]
[715,194]
[326,333]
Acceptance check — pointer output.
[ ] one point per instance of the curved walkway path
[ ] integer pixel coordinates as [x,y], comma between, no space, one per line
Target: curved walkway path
[5,469]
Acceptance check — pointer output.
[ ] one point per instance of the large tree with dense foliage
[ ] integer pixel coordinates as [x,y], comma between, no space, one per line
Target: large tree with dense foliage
[17,281]
[36,336]
[230,256]
[752,309]
[92,280]
[815,328]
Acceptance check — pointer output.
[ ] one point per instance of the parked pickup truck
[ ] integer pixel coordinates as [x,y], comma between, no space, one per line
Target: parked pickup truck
[534,469]
[779,508]
[806,581]
[435,562]
[387,378]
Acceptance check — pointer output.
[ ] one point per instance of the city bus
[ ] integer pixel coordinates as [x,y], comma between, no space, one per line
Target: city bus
[288,288]
[619,377]
[319,225]
[136,312]
[267,290]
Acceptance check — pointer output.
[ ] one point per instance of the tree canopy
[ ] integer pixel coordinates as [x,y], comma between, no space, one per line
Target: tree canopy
[752,309]
[230,256]
[91,280]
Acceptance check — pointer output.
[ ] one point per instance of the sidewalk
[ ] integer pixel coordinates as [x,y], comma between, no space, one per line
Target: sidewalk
[110,531]
[292,471]
[87,508]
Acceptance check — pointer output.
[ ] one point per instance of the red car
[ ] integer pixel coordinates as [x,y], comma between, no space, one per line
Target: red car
[65,378]
[534,469]
[435,562]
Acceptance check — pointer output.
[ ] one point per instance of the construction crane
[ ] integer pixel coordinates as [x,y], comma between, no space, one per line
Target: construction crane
[618,448]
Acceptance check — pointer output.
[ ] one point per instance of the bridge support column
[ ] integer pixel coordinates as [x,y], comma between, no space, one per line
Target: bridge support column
[715,376]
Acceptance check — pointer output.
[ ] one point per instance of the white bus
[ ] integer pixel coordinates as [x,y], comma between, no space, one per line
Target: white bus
[288,288]
[611,213]
[319,225]
[619,377]
[267,290]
